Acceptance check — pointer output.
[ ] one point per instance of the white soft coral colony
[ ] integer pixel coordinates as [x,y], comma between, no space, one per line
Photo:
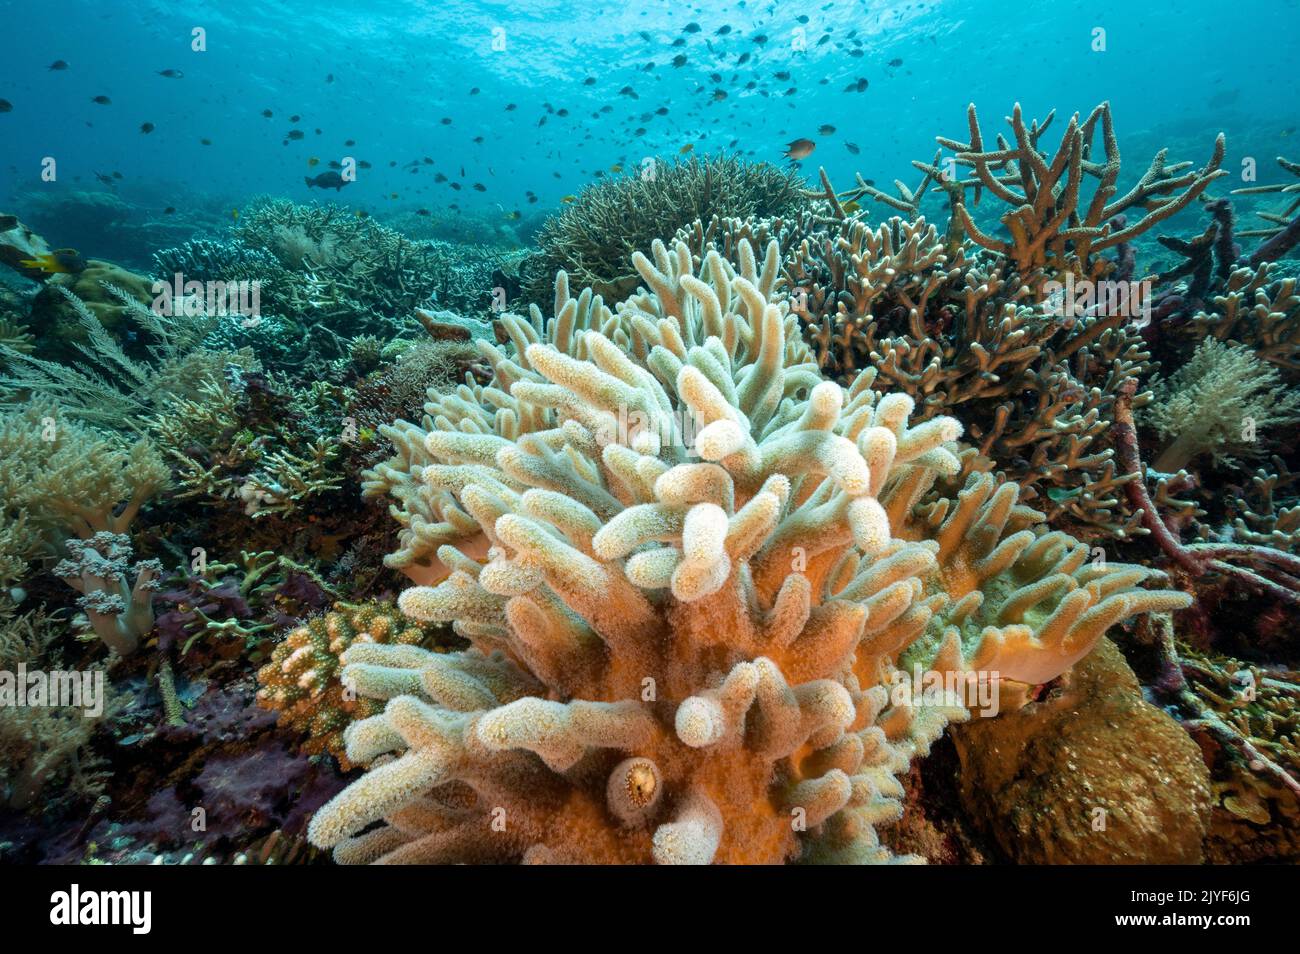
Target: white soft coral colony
[693,574]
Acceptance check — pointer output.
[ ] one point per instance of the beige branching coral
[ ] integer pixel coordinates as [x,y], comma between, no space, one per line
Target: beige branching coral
[698,569]
[1052,221]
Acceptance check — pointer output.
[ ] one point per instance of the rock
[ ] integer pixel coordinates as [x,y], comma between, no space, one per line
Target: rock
[1093,774]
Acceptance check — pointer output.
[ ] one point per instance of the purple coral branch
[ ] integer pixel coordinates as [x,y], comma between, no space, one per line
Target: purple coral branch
[1197,559]
[1274,247]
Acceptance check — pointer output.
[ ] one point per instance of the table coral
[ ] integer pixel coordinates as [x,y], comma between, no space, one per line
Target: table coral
[701,566]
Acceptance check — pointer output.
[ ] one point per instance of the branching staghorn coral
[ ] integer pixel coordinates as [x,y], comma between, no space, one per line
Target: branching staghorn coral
[244,440]
[1034,385]
[1254,310]
[1283,231]
[681,639]
[1051,222]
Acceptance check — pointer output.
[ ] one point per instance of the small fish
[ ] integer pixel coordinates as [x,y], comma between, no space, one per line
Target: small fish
[6,106]
[58,65]
[146,128]
[313,162]
[171,74]
[267,113]
[686,148]
[514,216]
[421,211]
[566,199]
[329,78]
[170,210]
[363,164]
[294,119]
[851,207]
[616,167]
[101,100]
[691,28]
[826,130]
[852,147]
[350,142]
[896,61]
[62,261]
[511,107]
[326,180]
[479,187]
[205,141]
[234,215]
[294,134]
[799,149]
[446,120]
[857,86]
[679,60]
[473,91]
[589,81]
[391,195]
[722,30]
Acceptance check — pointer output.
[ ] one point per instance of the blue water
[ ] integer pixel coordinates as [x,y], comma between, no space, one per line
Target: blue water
[1176,74]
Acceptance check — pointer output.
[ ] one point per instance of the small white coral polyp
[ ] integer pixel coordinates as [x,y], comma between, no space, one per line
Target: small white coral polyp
[681,653]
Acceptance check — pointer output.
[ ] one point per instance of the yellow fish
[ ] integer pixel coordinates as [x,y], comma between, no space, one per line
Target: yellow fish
[313,162]
[568,198]
[686,148]
[234,215]
[616,167]
[851,207]
[513,216]
[63,261]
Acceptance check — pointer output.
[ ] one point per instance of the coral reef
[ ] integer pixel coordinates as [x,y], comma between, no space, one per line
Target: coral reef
[681,649]
[728,524]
